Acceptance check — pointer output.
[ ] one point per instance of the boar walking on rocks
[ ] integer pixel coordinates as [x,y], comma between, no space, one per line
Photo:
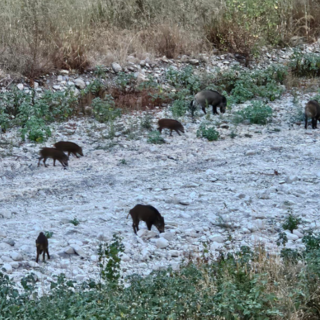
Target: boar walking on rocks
[312,110]
[171,125]
[42,246]
[205,98]
[69,147]
[146,213]
[54,154]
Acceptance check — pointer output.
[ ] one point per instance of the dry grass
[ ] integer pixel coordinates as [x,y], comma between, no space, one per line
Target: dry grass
[38,36]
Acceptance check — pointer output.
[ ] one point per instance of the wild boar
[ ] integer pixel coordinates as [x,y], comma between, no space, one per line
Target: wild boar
[42,246]
[54,154]
[171,125]
[146,213]
[69,147]
[312,110]
[205,98]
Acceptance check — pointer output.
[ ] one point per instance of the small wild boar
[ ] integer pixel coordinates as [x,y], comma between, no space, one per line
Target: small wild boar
[146,213]
[171,125]
[54,154]
[205,98]
[69,147]
[312,110]
[42,246]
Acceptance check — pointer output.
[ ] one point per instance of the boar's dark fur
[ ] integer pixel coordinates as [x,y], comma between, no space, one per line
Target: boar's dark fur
[146,213]
[69,147]
[171,125]
[54,154]
[205,98]
[312,110]
[42,246]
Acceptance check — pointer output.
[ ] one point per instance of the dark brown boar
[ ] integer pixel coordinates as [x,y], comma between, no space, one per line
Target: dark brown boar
[146,213]
[69,147]
[312,110]
[54,154]
[205,98]
[171,125]
[42,246]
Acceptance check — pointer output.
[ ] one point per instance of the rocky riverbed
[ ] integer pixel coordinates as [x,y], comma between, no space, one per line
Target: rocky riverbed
[231,192]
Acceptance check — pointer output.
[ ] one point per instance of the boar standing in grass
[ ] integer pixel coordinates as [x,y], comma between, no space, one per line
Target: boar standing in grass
[171,125]
[205,98]
[312,110]
[54,154]
[42,246]
[69,147]
[146,213]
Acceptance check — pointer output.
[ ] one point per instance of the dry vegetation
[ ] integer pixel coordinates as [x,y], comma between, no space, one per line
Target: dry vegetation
[38,36]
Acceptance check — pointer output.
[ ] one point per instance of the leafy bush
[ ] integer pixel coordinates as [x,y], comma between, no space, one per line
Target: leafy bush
[104,110]
[179,108]
[154,137]
[305,64]
[124,79]
[184,78]
[207,132]
[291,222]
[34,113]
[74,221]
[257,113]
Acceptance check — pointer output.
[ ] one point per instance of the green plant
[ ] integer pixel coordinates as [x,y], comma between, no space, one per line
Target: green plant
[104,110]
[74,221]
[257,113]
[124,79]
[179,108]
[291,222]
[123,161]
[109,260]
[232,134]
[99,71]
[146,122]
[48,234]
[207,132]
[154,137]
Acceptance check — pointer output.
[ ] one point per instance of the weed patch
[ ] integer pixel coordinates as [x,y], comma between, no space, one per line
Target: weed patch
[208,132]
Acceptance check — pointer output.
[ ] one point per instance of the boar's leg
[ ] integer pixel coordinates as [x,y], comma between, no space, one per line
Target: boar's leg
[204,110]
[38,253]
[306,122]
[160,129]
[44,162]
[39,161]
[54,162]
[177,131]
[44,255]
[214,110]
[170,132]
[149,225]
[48,253]
[75,154]
[313,123]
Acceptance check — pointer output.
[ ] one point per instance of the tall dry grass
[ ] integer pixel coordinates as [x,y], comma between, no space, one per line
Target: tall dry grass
[38,36]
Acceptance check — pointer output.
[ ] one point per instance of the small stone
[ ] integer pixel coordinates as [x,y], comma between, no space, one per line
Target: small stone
[64,71]
[297,233]
[16,256]
[94,258]
[9,241]
[142,232]
[217,238]
[7,268]
[78,250]
[69,250]
[291,236]
[250,153]
[56,87]
[79,83]
[116,67]
[174,253]
[60,78]
[162,243]
[20,86]
[168,235]
[33,264]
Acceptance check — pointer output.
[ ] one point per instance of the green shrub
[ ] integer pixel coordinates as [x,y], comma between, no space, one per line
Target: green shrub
[208,132]
[125,79]
[291,222]
[104,110]
[146,122]
[305,64]
[154,137]
[179,108]
[257,113]
[74,221]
